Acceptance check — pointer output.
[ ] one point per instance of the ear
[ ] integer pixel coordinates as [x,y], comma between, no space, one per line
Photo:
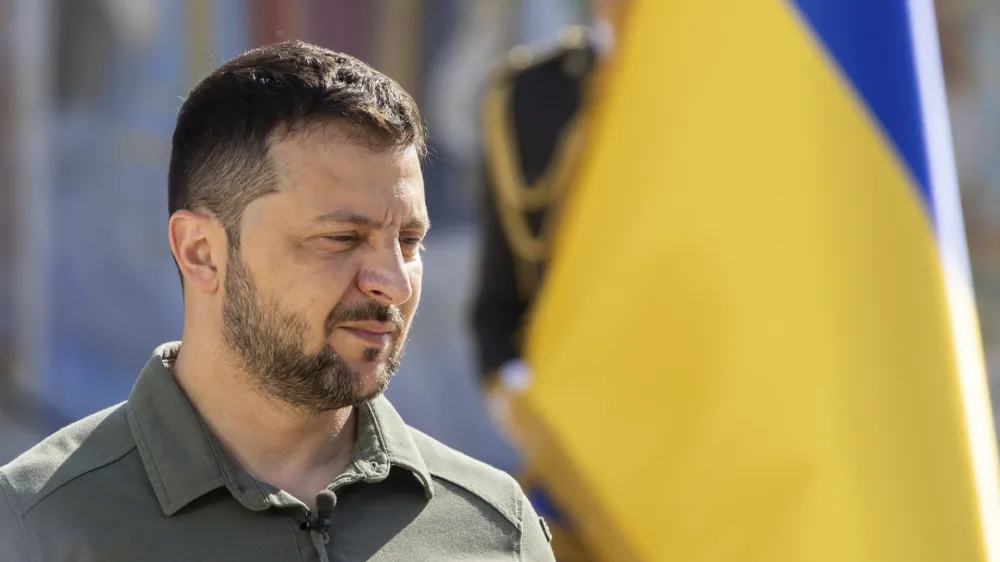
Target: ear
[198,243]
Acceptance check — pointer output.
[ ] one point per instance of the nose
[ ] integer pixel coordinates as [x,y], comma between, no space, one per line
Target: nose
[385,278]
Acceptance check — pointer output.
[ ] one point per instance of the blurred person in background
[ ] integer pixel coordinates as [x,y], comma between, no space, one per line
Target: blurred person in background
[297,215]
[534,128]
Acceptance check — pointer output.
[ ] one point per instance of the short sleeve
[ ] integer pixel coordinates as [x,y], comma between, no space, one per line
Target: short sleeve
[535,535]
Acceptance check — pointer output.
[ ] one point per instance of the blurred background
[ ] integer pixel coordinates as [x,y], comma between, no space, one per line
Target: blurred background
[89,91]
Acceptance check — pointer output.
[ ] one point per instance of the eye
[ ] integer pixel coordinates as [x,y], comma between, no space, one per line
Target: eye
[343,238]
[339,242]
[411,242]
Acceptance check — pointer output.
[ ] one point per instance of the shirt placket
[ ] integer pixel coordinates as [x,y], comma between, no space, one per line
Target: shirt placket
[360,470]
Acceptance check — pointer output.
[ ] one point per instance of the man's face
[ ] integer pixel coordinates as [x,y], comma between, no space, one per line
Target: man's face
[320,294]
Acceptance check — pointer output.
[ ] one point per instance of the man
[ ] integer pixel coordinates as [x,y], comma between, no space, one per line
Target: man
[297,214]
[535,129]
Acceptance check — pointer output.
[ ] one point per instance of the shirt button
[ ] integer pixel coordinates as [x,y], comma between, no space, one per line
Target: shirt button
[374,466]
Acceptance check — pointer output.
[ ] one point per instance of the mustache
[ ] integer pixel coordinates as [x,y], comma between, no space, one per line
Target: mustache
[365,311]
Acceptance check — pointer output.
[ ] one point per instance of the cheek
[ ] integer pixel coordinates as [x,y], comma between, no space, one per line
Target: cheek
[416,273]
[291,268]
[315,286]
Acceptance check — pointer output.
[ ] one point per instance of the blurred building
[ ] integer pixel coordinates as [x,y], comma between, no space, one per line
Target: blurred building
[87,286]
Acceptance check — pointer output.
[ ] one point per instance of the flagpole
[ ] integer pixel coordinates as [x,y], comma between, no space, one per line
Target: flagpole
[957,272]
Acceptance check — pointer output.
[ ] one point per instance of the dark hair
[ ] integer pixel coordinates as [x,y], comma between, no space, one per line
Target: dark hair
[219,159]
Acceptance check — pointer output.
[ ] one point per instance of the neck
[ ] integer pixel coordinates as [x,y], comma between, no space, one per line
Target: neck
[296,452]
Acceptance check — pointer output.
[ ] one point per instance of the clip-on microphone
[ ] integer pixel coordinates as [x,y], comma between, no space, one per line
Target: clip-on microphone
[325,501]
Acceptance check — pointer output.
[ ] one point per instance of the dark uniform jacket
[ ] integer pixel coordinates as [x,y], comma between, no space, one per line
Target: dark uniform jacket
[533,131]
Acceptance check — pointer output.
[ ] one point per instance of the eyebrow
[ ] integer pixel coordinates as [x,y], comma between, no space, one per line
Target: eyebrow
[350,217]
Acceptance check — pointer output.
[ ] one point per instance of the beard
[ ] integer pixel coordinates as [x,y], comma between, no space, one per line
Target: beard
[269,344]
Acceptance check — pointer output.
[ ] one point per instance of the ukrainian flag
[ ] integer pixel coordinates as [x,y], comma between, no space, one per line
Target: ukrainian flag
[758,339]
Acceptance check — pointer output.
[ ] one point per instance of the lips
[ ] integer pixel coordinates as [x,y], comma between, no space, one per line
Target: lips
[373,334]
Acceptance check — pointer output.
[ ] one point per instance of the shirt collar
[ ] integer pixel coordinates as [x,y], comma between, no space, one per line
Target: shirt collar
[184,461]
[384,440]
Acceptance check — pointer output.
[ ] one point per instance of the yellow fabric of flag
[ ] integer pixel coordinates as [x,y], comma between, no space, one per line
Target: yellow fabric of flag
[746,349]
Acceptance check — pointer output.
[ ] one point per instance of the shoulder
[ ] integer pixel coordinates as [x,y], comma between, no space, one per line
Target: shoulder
[546,72]
[572,56]
[80,448]
[486,484]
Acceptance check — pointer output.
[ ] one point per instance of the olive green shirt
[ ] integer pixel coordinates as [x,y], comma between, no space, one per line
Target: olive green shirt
[146,481]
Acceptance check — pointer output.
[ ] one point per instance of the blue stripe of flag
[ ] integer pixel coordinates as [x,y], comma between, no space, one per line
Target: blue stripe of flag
[871,41]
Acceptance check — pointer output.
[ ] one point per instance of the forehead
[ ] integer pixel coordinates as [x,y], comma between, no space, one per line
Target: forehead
[327,171]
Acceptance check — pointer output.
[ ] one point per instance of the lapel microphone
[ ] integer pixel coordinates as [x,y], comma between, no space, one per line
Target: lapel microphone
[325,501]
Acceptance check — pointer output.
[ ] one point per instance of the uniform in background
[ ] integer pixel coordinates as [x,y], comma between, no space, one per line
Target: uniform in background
[534,132]
[533,138]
